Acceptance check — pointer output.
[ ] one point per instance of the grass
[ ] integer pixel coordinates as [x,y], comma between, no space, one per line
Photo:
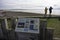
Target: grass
[54,23]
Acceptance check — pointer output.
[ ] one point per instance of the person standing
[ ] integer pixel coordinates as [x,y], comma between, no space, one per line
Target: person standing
[46,11]
[50,11]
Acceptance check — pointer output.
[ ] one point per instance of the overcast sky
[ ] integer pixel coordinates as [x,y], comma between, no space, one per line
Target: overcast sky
[23,4]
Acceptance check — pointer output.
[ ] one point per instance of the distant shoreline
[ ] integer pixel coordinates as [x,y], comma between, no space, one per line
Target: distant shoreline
[55,12]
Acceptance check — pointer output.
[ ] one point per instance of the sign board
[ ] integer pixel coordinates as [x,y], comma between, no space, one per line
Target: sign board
[29,25]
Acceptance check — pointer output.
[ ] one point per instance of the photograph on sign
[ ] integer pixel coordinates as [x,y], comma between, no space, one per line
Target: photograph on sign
[29,25]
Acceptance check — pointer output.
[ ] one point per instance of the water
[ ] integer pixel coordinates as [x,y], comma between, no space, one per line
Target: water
[39,11]
[56,12]
[29,8]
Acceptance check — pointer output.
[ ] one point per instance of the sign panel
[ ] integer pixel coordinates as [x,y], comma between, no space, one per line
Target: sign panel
[30,25]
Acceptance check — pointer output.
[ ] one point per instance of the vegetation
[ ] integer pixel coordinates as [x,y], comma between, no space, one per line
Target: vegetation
[54,23]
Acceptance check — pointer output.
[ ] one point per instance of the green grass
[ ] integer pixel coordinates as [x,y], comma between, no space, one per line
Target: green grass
[54,23]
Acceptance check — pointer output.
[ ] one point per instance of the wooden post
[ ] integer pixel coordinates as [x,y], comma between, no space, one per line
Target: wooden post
[6,23]
[43,25]
[4,29]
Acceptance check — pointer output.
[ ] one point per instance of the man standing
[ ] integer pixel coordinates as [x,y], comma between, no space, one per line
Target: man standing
[50,11]
[46,11]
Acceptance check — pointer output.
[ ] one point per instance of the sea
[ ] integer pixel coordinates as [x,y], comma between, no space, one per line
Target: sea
[39,11]
[33,9]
